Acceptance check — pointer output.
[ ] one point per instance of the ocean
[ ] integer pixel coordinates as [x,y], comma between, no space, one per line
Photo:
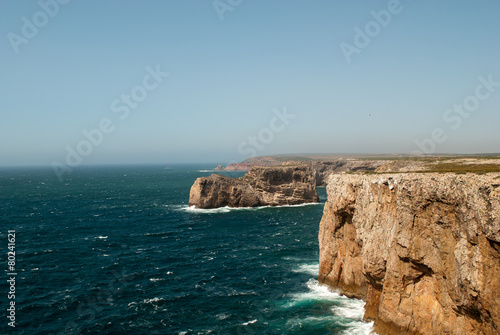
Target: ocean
[117,250]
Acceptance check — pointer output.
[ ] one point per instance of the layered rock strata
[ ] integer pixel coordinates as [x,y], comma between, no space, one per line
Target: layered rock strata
[423,250]
[261,186]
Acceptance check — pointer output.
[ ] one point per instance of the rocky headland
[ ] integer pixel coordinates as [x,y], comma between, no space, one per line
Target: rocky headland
[423,249]
[261,186]
[321,164]
[323,169]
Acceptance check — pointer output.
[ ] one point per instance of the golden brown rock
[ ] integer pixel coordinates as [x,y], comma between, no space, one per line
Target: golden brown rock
[422,249]
[261,186]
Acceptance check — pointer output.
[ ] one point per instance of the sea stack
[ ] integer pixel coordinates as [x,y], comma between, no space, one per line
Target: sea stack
[423,250]
[261,186]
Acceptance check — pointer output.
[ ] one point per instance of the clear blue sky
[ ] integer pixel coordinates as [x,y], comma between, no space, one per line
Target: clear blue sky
[227,76]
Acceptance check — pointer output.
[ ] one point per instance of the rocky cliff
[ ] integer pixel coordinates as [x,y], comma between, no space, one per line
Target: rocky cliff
[261,186]
[423,250]
[320,169]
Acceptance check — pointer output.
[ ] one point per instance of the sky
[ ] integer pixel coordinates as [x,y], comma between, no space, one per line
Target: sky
[121,81]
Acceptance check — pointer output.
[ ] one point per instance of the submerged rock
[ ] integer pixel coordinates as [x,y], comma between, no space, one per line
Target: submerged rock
[261,186]
[423,250]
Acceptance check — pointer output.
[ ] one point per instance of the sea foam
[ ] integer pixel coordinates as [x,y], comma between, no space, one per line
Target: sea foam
[227,209]
[312,269]
[349,312]
[315,293]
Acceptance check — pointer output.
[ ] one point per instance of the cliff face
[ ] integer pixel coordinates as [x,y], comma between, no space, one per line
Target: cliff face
[423,250]
[261,186]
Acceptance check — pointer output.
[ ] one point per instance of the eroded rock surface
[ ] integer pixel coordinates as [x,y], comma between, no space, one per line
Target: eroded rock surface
[261,186]
[423,250]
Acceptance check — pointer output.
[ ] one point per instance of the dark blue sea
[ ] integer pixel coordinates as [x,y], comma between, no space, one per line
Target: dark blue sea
[117,250]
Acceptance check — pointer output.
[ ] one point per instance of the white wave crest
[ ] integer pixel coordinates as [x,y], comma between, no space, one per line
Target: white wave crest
[316,293]
[249,322]
[348,311]
[312,269]
[227,209]
[351,309]
[153,300]
[360,328]
[222,316]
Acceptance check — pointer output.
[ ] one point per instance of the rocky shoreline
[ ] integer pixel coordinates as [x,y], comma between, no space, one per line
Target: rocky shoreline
[418,240]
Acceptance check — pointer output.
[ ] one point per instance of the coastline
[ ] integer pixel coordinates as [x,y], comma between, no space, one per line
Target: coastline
[401,278]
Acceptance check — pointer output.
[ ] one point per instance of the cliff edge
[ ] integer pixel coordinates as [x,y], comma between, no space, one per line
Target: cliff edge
[423,250]
[261,186]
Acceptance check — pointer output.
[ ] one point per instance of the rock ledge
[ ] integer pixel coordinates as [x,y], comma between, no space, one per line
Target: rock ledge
[261,186]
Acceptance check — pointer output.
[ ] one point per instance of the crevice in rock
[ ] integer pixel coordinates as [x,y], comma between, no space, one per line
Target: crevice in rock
[471,312]
[426,271]
[341,267]
[494,244]
[345,218]
[378,286]
[418,272]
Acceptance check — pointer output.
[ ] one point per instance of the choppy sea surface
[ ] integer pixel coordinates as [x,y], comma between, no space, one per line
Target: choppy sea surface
[117,250]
